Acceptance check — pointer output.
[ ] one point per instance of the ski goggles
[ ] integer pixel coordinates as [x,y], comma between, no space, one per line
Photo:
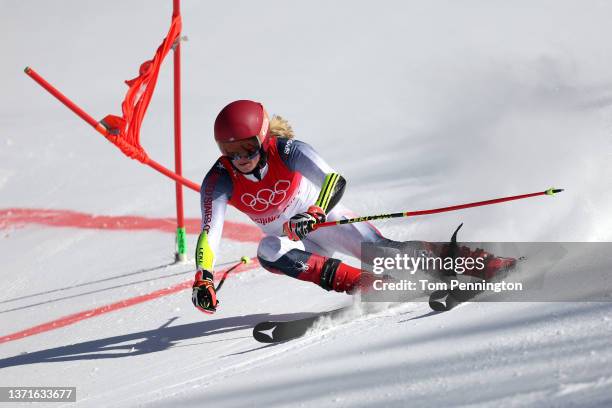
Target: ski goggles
[241,149]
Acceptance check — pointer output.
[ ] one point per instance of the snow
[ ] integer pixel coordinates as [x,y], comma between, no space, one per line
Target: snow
[427,103]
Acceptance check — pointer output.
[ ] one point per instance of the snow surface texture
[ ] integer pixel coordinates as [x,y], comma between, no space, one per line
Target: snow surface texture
[427,103]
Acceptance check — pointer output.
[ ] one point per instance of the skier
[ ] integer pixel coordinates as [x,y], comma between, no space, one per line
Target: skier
[286,188]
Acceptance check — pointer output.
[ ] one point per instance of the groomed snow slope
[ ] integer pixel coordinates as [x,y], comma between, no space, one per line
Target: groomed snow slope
[427,104]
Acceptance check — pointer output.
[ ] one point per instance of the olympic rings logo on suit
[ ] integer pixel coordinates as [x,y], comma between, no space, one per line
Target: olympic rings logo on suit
[266,197]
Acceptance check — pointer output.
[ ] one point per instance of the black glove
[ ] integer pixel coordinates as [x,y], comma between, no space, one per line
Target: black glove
[203,294]
[301,224]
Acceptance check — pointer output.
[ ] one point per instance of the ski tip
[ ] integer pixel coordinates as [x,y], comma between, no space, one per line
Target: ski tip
[245,260]
[454,237]
[442,301]
[27,70]
[553,191]
[264,332]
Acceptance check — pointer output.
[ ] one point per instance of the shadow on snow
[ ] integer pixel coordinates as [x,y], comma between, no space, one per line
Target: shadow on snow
[150,341]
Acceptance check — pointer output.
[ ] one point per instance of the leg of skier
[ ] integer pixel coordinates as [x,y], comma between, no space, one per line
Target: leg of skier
[311,259]
[281,255]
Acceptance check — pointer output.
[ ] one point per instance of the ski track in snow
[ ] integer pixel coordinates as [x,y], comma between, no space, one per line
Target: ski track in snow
[318,336]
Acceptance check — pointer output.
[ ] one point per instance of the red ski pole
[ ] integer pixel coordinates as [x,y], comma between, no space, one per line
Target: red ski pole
[243,261]
[551,191]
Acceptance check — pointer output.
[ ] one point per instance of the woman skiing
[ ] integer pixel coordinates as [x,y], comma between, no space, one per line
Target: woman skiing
[286,188]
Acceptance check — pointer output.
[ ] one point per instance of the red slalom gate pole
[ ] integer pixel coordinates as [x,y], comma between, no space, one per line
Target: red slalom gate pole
[102,130]
[551,191]
[181,239]
[169,173]
[67,102]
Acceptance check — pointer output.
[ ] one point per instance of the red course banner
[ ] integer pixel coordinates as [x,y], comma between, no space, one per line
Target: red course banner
[124,131]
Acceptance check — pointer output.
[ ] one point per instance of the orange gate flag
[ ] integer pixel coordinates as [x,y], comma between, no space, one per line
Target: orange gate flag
[124,131]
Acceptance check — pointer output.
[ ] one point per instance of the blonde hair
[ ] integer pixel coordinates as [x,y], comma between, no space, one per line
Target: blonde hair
[280,127]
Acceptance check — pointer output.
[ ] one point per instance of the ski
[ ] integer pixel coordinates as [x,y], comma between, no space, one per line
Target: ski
[278,331]
[445,300]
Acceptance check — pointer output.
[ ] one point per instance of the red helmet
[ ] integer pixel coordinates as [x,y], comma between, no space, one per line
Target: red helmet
[241,120]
